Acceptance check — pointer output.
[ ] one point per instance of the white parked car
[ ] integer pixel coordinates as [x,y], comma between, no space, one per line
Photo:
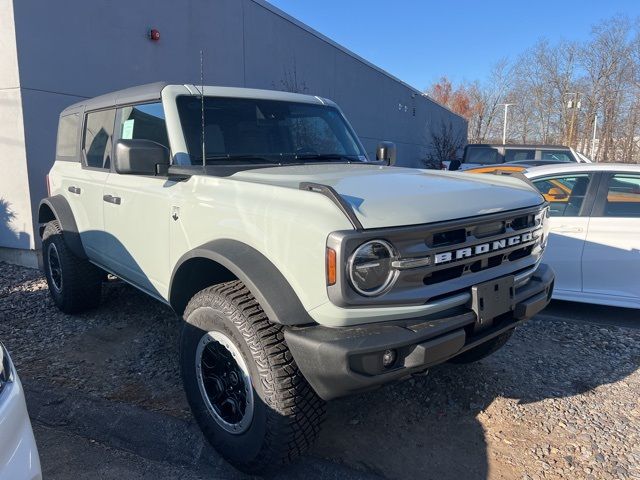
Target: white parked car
[594,244]
[19,458]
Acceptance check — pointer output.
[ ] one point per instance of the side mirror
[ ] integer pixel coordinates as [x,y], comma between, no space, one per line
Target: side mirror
[556,193]
[455,164]
[387,152]
[140,157]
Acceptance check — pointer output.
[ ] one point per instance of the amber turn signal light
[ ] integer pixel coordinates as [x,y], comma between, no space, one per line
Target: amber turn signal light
[331,266]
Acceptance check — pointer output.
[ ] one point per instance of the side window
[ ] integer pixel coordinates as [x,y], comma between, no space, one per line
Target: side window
[98,133]
[623,196]
[145,122]
[565,194]
[483,155]
[67,142]
[560,156]
[514,155]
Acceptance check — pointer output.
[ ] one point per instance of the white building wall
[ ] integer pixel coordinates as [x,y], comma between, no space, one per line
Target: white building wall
[72,49]
[16,231]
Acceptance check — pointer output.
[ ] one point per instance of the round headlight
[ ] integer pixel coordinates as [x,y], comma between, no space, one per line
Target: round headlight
[370,269]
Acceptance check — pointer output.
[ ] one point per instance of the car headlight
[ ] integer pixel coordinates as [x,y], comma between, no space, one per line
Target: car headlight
[370,269]
[5,368]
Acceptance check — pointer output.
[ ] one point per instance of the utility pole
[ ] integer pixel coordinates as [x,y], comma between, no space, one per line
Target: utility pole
[593,139]
[573,106]
[504,124]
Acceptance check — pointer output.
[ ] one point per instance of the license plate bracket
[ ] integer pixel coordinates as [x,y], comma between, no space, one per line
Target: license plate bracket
[492,299]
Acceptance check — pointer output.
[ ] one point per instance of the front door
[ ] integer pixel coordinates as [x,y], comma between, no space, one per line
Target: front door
[611,259]
[568,222]
[137,211]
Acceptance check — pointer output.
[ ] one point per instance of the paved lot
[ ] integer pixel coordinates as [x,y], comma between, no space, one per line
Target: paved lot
[561,400]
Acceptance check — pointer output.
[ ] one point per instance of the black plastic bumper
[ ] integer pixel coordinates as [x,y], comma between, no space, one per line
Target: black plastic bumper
[346,360]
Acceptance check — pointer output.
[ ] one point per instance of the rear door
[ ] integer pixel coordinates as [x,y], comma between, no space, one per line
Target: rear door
[83,186]
[611,260]
[570,196]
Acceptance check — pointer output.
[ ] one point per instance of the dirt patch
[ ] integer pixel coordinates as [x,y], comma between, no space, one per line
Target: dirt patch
[561,400]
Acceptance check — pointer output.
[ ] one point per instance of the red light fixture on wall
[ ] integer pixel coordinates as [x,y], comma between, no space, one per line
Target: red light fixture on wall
[153,35]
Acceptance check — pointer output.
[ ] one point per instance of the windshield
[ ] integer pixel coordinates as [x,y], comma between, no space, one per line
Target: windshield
[241,130]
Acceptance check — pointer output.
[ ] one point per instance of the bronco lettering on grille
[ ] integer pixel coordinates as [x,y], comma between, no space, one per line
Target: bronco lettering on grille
[481,248]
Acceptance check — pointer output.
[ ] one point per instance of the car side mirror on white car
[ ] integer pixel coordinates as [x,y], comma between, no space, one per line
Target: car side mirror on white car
[140,157]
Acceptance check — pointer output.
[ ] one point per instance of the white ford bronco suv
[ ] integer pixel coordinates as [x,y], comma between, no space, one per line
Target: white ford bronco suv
[303,270]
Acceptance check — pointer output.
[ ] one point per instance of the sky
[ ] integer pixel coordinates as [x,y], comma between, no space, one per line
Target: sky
[419,41]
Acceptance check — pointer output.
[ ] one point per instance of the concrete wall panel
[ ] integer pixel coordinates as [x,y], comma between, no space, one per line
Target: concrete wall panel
[15,202]
[89,48]
[8,53]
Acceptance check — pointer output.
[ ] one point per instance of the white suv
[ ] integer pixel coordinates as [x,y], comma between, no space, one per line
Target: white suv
[302,269]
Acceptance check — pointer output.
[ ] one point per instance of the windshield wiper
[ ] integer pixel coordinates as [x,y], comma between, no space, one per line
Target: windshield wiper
[327,156]
[249,157]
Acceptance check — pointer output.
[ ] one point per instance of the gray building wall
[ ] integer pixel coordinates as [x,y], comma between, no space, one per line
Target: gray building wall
[63,51]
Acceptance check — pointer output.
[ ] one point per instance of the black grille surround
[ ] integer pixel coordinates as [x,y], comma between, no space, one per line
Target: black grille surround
[470,243]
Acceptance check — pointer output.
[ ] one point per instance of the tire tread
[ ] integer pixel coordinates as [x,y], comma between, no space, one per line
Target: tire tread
[296,412]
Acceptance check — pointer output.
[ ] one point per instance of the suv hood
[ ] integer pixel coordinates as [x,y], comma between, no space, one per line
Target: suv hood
[384,196]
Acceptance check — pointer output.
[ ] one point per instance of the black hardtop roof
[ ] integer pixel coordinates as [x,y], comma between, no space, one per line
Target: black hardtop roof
[519,145]
[140,93]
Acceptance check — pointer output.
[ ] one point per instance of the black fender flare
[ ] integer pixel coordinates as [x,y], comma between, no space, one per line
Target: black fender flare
[57,208]
[263,279]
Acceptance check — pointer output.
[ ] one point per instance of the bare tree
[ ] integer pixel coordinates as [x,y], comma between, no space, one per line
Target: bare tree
[445,145]
[290,81]
[548,81]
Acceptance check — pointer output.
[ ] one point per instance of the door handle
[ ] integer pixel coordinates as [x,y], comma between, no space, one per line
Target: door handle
[74,189]
[112,199]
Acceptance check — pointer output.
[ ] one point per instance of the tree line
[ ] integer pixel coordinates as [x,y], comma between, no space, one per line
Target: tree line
[560,94]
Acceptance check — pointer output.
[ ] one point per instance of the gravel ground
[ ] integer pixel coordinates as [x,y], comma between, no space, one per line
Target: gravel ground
[561,400]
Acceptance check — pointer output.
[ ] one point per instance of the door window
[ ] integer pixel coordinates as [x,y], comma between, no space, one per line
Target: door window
[98,133]
[67,142]
[560,156]
[482,155]
[516,155]
[565,193]
[623,196]
[144,122]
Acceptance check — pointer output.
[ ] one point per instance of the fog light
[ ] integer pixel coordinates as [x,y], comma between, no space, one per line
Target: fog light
[389,358]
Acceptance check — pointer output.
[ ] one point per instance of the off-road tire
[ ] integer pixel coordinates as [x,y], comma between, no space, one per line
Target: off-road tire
[81,285]
[287,413]
[483,350]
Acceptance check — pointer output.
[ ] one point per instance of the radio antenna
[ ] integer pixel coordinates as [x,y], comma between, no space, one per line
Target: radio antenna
[204,161]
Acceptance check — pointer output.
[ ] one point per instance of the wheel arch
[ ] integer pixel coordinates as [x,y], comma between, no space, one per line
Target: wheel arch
[225,260]
[57,208]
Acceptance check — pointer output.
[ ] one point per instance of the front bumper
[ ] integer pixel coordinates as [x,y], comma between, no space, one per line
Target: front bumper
[341,361]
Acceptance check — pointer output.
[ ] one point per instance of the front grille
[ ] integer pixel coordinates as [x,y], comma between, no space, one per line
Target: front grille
[451,251]
[434,258]
[458,236]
